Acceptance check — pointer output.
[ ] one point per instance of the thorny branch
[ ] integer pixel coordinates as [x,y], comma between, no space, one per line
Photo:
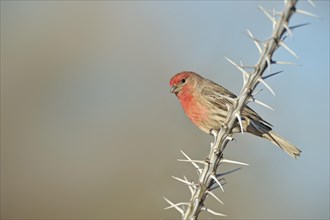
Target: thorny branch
[209,179]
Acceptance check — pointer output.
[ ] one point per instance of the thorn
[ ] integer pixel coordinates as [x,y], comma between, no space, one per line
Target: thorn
[217,181]
[215,135]
[234,162]
[228,172]
[257,92]
[267,14]
[177,204]
[267,86]
[214,132]
[288,49]
[261,103]
[174,205]
[298,11]
[312,3]
[211,211]
[255,41]
[273,11]
[240,122]
[274,19]
[285,63]
[244,75]
[184,181]
[273,74]
[237,66]
[286,26]
[190,187]
[230,138]
[214,196]
[193,163]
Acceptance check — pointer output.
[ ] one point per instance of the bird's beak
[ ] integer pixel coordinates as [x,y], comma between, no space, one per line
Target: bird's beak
[174,89]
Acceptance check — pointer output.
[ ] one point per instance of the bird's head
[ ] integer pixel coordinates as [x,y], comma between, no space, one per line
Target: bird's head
[182,80]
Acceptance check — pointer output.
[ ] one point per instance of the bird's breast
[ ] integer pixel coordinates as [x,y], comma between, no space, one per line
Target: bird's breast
[195,110]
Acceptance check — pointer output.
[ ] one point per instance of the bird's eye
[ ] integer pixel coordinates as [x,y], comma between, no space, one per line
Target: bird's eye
[183,80]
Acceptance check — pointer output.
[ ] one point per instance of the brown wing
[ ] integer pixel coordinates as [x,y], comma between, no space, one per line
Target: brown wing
[216,95]
[248,112]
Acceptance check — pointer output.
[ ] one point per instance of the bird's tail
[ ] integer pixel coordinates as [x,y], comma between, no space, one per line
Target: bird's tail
[259,128]
[282,143]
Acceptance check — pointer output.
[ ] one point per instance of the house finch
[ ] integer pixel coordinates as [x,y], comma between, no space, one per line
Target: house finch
[205,103]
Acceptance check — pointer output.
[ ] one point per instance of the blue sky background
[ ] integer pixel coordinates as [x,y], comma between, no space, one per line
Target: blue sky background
[90,130]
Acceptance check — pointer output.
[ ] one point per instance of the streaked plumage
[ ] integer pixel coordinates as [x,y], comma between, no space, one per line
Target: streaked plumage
[205,104]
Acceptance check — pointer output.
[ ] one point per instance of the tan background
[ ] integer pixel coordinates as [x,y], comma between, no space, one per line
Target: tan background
[90,130]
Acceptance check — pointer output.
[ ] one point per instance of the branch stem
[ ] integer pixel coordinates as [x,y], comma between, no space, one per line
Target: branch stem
[208,173]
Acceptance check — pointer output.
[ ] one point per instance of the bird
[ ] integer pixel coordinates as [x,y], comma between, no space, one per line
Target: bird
[206,105]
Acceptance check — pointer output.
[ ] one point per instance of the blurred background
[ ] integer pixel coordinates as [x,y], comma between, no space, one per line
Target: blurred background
[90,130]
